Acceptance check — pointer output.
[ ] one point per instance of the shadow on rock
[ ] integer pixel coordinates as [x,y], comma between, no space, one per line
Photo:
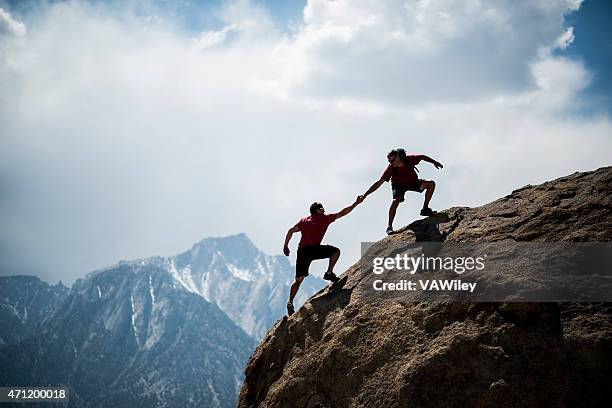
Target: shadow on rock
[332,297]
[428,230]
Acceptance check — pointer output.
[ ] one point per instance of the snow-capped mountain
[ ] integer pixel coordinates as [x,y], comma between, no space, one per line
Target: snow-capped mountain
[24,302]
[157,332]
[248,285]
[132,336]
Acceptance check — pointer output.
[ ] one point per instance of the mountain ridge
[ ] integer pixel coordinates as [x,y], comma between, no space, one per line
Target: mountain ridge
[250,286]
[133,338]
[140,331]
[25,300]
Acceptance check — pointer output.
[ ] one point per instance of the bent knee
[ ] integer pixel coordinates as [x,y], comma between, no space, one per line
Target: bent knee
[429,184]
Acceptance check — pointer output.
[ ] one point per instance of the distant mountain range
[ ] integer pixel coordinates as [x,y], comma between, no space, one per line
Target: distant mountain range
[248,285]
[156,332]
[24,302]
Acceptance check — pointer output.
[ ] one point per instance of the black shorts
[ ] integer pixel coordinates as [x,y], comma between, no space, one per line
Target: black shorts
[308,253]
[399,191]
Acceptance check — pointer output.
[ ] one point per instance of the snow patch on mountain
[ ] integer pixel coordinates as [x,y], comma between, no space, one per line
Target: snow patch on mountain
[250,286]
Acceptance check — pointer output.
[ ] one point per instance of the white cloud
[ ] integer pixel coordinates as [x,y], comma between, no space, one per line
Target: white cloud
[565,39]
[12,34]
[401,51]
[10,26]
[559,80]
[122,139]
[247,15]
[212,38]
[247,22]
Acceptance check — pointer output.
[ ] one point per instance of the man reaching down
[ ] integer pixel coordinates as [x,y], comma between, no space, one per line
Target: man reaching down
[401,172]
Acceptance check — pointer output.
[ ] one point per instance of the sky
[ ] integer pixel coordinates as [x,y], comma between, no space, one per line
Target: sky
[131,129]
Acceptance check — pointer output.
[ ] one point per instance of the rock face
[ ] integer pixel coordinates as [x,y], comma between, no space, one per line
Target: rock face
[24,303]
[340,350]
[131,336]
[161,331]
[248,285]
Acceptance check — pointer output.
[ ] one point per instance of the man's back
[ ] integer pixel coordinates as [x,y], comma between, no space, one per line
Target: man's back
[313,228]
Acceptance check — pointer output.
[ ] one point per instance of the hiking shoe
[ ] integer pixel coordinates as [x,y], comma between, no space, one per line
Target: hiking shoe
[290,309]
[330,276]
[427,211]
[390,230]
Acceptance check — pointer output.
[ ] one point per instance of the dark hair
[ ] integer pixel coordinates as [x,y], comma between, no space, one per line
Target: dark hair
[315,206]
[401,153]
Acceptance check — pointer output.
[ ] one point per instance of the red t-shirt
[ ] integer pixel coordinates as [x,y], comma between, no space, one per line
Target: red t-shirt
[314,227]
[403,176]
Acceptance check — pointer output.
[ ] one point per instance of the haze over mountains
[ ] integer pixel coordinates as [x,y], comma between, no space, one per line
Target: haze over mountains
[162,331]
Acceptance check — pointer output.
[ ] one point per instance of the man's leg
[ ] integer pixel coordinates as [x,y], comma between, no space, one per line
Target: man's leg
[332,261]
[430,187]
[294,287]
[333,253]
[392,210]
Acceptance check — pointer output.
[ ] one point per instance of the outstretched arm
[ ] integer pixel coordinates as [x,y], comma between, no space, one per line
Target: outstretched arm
[372,188]
[350,208]
[436,163]
[290,233]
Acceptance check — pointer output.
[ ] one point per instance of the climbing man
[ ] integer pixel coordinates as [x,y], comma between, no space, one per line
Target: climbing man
[402,173]
[313,228]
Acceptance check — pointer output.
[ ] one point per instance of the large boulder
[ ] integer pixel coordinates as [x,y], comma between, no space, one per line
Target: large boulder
[343,350]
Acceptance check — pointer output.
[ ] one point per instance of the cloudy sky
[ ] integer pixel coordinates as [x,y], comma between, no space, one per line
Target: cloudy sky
[136,128]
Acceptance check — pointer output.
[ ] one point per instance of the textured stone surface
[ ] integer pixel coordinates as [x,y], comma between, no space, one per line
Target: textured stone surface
[25,301]
[342,351]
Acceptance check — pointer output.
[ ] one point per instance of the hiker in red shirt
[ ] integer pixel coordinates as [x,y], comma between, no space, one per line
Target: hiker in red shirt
[313,229]
[401,172]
